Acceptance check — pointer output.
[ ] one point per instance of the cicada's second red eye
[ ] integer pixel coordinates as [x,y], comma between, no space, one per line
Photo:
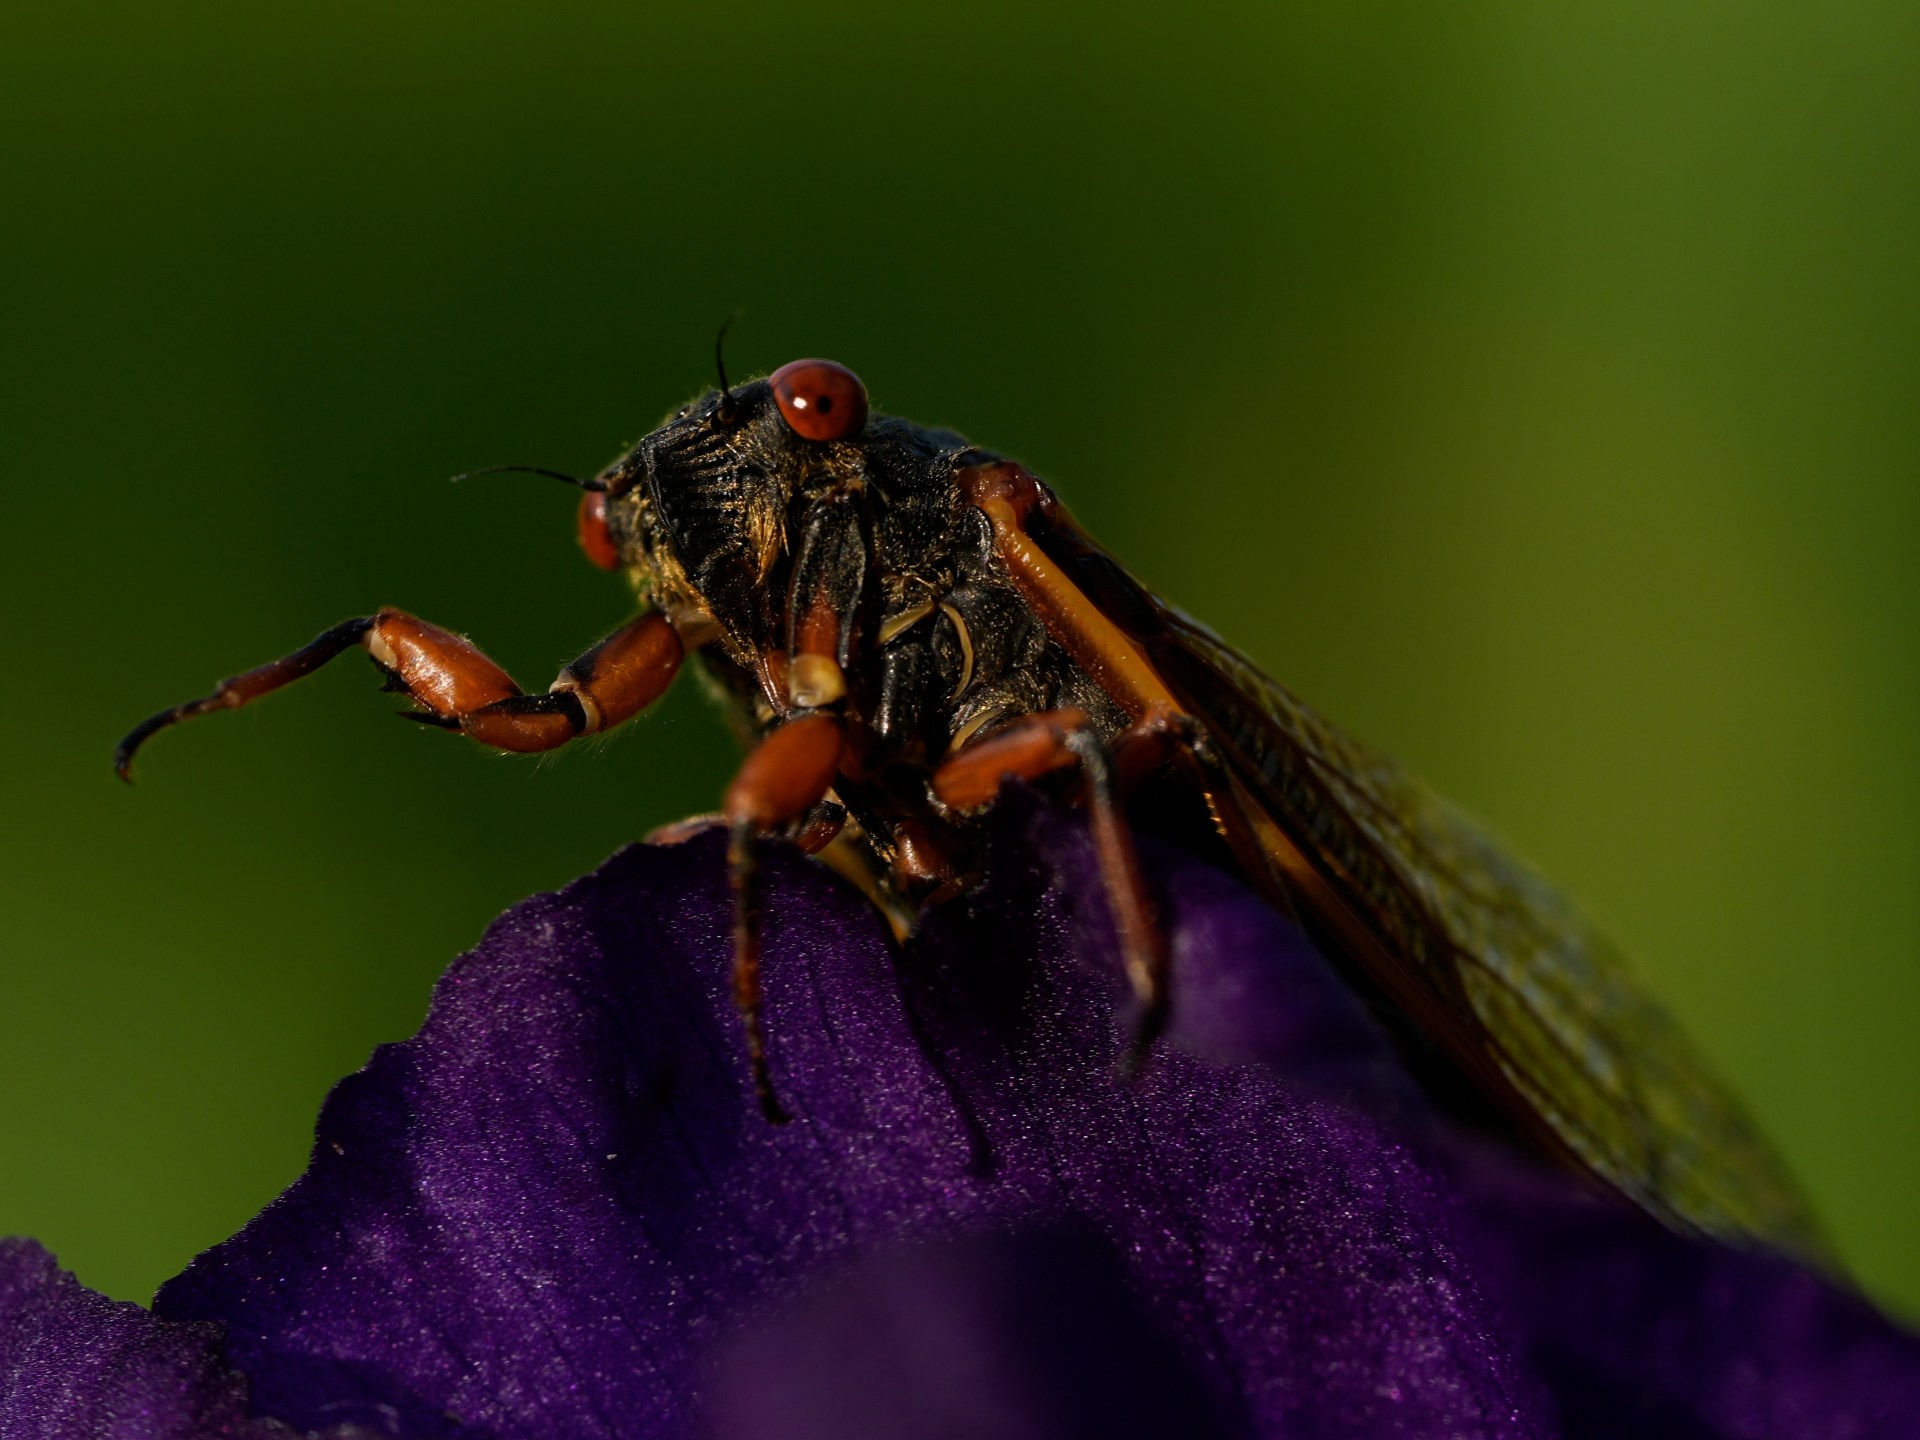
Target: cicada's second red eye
[820,400]
[594,538]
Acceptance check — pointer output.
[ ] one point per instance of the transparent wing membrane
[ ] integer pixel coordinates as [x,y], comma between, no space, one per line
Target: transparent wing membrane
[1554,1002]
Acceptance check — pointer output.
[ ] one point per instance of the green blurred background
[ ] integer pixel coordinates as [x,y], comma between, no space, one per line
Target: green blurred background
[1532,387]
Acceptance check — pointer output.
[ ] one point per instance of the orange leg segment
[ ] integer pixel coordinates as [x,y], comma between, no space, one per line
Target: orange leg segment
[786,776]
[232,693]
[1033,746]
[459,688]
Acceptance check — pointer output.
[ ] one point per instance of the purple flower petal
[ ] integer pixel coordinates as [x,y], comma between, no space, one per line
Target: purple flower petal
[1641,1332]
[535,1218]
[996,1337]
[1251,987]
[75,1365]
[557,1213]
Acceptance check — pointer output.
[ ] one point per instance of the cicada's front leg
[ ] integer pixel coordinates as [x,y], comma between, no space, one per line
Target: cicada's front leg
[458,688]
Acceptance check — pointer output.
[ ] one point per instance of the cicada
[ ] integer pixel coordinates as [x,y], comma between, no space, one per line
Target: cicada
[901,621]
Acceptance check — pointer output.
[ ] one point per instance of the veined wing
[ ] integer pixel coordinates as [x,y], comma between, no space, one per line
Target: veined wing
[1488,959]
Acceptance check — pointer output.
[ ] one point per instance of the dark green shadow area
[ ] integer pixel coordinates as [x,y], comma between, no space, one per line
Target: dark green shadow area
[1532,390]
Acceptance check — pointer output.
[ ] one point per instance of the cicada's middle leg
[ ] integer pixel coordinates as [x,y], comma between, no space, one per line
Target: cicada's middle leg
[780,784]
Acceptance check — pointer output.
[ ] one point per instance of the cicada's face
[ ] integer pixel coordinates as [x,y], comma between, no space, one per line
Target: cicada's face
[705,509]
[705,516]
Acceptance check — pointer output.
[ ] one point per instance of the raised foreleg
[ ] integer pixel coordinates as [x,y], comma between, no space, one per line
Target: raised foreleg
[458,688]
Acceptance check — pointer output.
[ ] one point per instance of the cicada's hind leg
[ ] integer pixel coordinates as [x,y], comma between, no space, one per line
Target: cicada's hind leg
[1162,729]
[1164,738]
[459,688]
[1038,745]
[783,782]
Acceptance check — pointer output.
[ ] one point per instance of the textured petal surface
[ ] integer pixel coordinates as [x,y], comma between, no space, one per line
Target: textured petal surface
[75,1365]
[539,1216]
[556,1212]
[1031,1336]
[1640,1332]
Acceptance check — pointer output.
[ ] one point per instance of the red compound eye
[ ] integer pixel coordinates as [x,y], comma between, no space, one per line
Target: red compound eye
[594,538]
[820,400]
